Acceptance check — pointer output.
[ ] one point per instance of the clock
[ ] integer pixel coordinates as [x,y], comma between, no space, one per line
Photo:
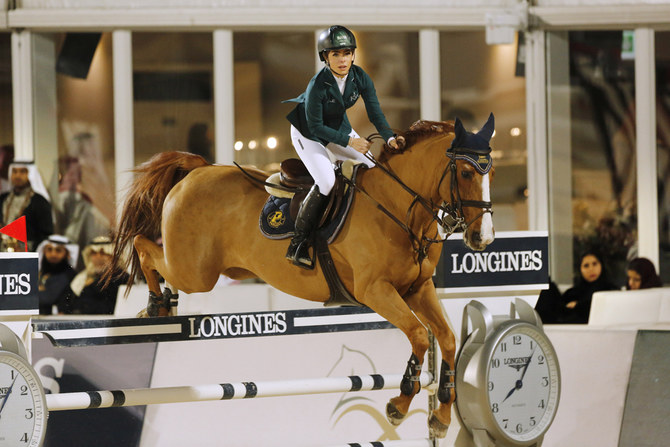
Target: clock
[507,377]
[23,411]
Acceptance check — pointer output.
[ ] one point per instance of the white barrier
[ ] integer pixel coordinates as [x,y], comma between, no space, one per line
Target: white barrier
[225,391]
[408,443]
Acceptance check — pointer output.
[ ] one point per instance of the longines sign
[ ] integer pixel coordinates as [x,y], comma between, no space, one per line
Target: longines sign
[515,260]
[18,283]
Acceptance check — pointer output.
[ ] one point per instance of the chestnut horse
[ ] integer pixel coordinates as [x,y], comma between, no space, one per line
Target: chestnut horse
[208,218]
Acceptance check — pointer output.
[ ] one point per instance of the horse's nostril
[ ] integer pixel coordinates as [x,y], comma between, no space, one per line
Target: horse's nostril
[476,237]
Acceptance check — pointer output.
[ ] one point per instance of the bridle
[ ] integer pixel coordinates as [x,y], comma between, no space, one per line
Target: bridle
[453,218]
[449,216]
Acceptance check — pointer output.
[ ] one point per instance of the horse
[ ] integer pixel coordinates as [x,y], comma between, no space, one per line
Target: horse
[207,216]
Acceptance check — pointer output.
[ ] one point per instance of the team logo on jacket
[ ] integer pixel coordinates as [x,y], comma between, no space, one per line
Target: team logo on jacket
[276,219]
[354,96]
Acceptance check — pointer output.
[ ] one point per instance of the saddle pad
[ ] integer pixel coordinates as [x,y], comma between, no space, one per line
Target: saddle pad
[275,221]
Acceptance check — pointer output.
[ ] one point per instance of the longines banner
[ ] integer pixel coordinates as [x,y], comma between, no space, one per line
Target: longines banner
[18,283]
[515,260]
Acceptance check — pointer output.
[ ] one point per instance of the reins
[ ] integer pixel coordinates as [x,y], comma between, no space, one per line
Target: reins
[448,216]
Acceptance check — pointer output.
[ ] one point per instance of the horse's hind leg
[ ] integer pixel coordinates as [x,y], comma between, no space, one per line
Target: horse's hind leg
[149,253]
[426,306]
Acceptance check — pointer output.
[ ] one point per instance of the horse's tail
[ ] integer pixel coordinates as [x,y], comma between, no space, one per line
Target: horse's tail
[143,208]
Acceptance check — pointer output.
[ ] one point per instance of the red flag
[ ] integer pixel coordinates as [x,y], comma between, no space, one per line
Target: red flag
[17,230]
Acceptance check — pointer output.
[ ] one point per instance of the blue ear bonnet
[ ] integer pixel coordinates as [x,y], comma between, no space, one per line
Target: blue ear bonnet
[473,147]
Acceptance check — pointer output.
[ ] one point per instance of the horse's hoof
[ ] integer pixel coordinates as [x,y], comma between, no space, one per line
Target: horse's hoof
[394,416]
[436,428]
[143,314]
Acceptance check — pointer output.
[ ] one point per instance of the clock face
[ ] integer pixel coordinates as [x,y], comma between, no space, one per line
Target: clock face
[23,412]
[523,383]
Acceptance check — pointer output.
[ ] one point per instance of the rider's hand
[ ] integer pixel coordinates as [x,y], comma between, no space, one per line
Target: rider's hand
[397,142]
[360,144]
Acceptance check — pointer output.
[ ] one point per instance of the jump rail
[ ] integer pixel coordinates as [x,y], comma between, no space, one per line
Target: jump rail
[226,391]
[407,443]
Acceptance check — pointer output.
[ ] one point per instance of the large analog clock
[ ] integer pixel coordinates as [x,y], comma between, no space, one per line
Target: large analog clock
[507,377]
[23,411]
[522,383]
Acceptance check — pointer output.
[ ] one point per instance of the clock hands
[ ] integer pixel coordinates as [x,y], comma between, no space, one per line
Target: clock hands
[9,391]
[519,383]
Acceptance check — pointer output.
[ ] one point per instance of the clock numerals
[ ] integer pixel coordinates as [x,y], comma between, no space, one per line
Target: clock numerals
[532,421]
[491,386]
[29,413]
[24,438]
[541,404]
[12,374]
[545,381]
[495,363]
[24,390]
[540,359]
[516,339]
[495,408]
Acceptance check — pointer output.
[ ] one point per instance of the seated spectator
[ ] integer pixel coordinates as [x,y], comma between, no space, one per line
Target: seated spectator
[56,258]
[642,275]
[90,297]
[574,306]
[27,197]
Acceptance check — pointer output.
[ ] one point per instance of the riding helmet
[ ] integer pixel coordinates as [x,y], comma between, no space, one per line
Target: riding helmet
[336,37]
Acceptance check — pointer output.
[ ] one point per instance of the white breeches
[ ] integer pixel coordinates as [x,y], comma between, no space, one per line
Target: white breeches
[319,159]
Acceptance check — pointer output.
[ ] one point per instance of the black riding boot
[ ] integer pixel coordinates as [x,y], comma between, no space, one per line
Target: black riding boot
[305,223]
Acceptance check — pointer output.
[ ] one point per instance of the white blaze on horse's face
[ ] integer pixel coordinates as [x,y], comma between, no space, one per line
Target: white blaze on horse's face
[486,229]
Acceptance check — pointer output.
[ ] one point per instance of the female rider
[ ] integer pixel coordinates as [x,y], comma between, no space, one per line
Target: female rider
[319,127]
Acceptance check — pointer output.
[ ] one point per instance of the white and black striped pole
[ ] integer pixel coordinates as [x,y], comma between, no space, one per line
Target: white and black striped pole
[399,443]
[225,391]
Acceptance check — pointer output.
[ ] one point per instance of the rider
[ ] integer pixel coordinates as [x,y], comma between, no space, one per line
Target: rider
[320,127]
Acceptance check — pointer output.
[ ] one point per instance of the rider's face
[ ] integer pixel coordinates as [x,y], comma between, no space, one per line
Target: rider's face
[340,61]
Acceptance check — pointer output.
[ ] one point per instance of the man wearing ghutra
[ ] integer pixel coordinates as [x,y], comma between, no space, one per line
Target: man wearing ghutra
[27,197]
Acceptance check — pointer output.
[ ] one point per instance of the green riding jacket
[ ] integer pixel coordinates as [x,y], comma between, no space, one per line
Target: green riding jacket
[321,111]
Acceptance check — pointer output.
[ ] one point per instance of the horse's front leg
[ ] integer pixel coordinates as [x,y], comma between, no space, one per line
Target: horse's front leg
[385,300]
[427,307]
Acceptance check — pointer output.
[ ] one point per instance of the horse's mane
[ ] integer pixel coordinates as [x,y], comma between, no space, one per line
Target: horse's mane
[418,131]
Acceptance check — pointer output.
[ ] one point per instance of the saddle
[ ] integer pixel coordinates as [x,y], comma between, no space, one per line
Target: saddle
[277,219]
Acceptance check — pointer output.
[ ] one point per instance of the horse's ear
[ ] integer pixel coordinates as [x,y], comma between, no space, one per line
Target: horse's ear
[459,130]
[487,131]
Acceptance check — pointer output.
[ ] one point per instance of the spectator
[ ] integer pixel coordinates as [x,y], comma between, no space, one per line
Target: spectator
[57,258]
[199,141]
[574,306]
[642,275]
[29,198]
[75,215]
[90,297]
[6,158]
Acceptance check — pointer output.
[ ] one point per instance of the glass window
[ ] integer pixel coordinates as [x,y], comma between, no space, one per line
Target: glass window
[82,179]
[662,45]
[273,67]
[173,94]
[599,87]
[6,105]
[478,79]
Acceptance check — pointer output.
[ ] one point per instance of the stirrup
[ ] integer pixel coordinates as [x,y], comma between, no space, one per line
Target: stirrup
[292,255]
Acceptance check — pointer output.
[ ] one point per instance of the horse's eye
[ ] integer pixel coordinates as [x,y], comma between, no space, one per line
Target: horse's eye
[467,175]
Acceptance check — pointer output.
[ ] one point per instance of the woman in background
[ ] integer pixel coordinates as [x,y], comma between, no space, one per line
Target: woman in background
[642,275]
[574,306]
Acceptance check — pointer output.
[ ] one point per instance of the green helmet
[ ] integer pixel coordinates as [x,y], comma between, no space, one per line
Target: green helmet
[335,38]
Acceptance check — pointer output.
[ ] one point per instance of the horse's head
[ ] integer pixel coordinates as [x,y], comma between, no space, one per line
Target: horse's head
[468,194]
